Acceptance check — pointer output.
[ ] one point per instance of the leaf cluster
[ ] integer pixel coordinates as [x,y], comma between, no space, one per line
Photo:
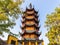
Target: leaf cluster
[9,12]
[53,23]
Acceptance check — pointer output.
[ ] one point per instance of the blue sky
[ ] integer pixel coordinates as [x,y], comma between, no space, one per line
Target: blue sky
[43,7]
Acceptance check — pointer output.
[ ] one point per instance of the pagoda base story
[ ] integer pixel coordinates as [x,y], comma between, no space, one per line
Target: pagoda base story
[30,42]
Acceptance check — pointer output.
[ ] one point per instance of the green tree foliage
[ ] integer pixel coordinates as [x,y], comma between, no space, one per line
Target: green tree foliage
[9,12]
[53,25]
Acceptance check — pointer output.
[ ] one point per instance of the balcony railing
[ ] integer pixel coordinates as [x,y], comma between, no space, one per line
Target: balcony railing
[30,31]
[30,12]
[29,24]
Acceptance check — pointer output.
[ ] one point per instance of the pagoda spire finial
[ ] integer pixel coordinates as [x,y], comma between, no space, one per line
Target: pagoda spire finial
[30,5]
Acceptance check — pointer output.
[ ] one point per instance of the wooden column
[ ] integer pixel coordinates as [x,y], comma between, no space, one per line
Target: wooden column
[36,43]
[22,43]
[43,43]
[29,43]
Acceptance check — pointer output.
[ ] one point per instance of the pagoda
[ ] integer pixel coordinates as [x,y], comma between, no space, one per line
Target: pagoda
[30,27]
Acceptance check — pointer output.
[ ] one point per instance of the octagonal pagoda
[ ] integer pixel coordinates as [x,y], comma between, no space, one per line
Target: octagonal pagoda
[30,27]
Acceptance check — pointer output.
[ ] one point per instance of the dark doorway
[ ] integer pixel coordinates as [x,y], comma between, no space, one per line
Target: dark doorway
[13,42]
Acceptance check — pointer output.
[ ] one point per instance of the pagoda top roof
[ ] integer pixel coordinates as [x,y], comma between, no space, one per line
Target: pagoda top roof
[30,9]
